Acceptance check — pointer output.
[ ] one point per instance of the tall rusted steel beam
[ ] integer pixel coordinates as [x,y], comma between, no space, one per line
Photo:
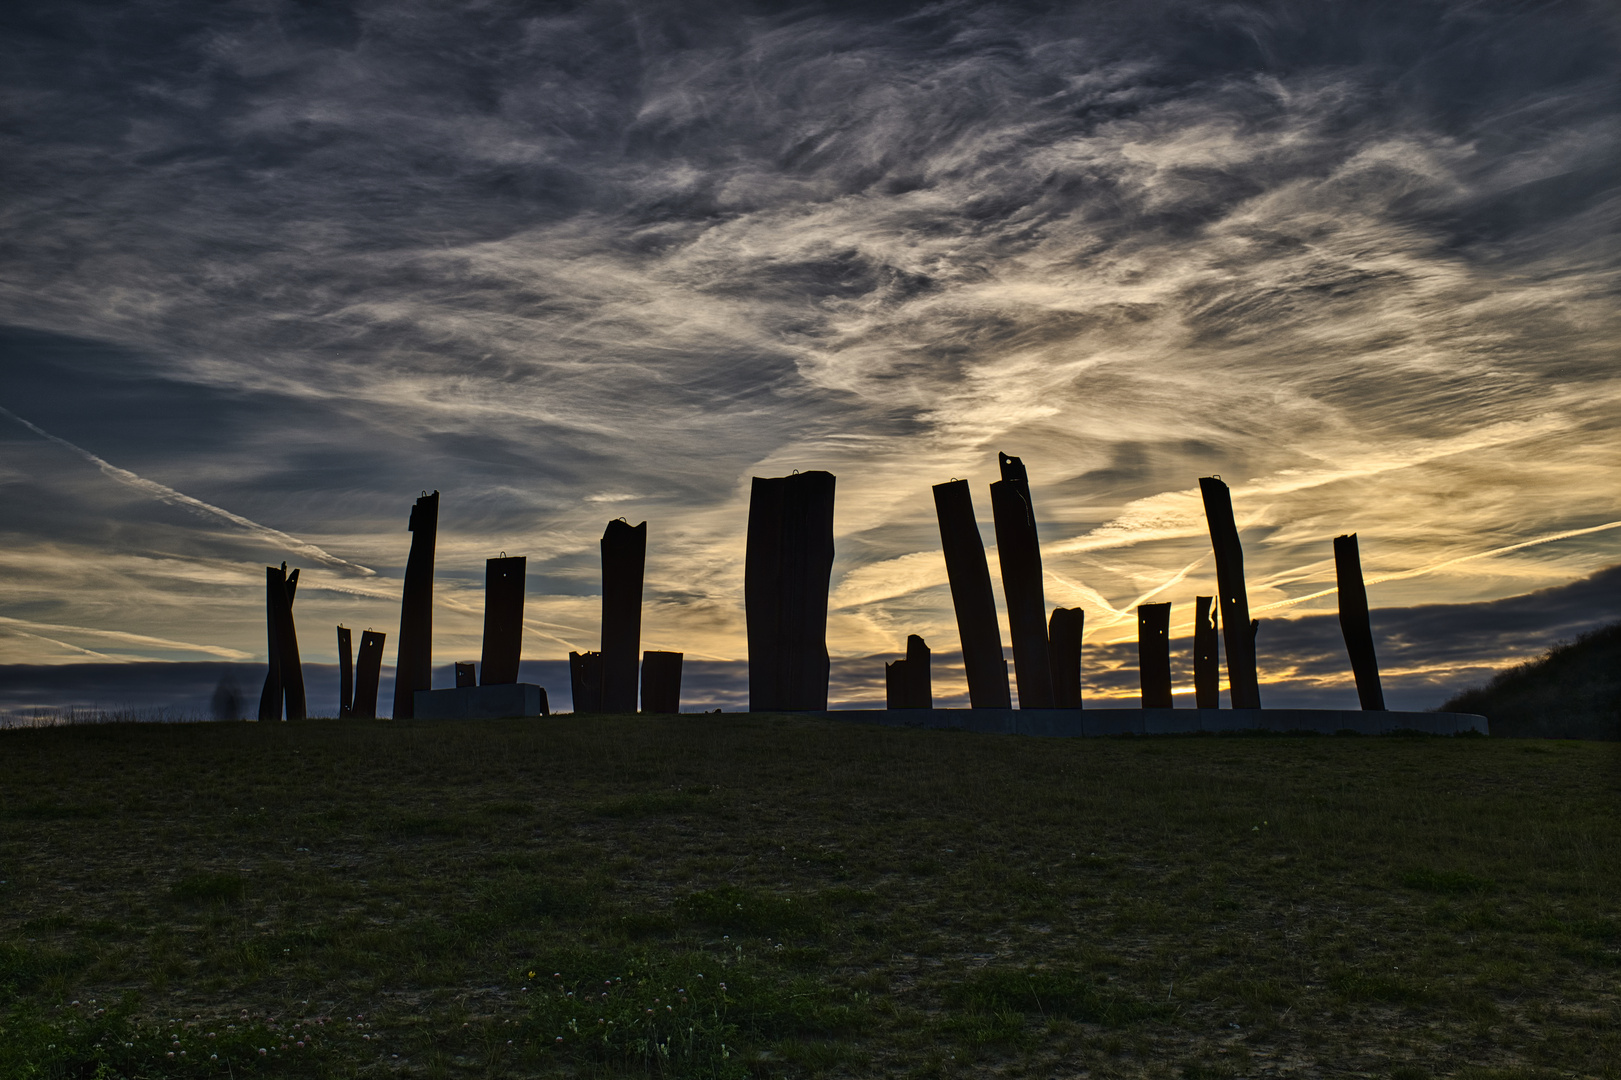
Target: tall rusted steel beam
[895,688]
[346,673]
[585,680]
[413,665]
[291,669]
[908,683]
[787,568]
[270,697]
[1019,552]
[1154,654]
[1206,655]
[624,559]
[1355,623]
[661,682]
[1064,629]
[919,677]
[1243,685]
[368,673]
[503,619]
[972,597]
[284,679]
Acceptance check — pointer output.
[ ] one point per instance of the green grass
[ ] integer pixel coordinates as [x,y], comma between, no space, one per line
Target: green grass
[762,897]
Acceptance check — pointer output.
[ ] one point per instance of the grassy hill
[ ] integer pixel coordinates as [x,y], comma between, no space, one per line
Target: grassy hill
[749,896]
[1571,692]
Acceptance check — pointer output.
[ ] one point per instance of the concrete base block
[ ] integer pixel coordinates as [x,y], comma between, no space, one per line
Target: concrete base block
[482,702]
[1070,723]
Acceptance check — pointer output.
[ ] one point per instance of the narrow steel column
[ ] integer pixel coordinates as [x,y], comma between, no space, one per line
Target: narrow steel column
[1064,629]
[1020,555]
[787,568]
[1154,654]
[585,680]
[270,697]
[908,683]
[281,588]
[1355,623]
[413,664]
[919,677]
[346,672]
[1243,685]
[624,558]
[503,619]
[972,597]
[368,673]
[895,685]
[1206,658]
[661,682]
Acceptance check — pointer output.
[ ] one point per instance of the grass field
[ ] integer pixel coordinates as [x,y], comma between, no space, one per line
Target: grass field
[731,896]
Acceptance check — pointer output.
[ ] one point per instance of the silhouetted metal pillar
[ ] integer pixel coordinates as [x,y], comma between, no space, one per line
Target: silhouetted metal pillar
[1355,623]
[895,688]
[1243,685]
[1064,629]
[661,682]
[1206,658]
[585,680]
[503,619]
[1154,654]
[290,669]
[1020,555]
[908,683]
[413,665]
[971,595]
[624,558]
[466,673]
[919,677]
[346,672]
[786,572]
[270,697]
[368,673]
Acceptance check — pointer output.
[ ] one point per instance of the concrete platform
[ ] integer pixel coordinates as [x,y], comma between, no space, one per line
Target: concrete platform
[482,702]
[1070,723]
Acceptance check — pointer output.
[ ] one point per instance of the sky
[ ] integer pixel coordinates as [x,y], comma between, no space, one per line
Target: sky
[268,270]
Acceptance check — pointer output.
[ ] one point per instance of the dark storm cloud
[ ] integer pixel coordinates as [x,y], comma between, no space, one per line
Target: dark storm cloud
[570,261]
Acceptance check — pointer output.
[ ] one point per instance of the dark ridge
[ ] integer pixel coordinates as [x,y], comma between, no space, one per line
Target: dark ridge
[1573,691]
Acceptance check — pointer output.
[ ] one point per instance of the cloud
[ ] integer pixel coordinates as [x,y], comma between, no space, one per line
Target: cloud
[167,494]
[618,258]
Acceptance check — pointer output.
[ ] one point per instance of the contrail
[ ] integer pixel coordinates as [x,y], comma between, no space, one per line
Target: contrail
[1402,574]
[1431,568]
[133,639]
[169,495]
